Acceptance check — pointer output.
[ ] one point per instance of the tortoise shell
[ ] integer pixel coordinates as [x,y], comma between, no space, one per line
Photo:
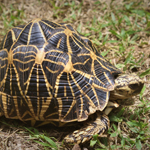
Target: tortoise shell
[49,72]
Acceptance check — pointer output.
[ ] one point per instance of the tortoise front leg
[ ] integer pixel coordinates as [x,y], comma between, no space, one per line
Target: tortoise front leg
[110,107]
[98,126]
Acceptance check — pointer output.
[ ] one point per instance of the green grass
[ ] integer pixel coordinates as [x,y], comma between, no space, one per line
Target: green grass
[42,139]
[116,32]
[11,17]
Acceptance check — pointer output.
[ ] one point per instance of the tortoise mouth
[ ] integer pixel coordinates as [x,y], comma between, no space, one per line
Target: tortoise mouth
[137,88]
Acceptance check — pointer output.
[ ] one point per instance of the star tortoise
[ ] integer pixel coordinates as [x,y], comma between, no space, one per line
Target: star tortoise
[51,73]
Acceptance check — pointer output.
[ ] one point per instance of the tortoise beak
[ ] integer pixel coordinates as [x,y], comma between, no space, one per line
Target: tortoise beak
[136,87]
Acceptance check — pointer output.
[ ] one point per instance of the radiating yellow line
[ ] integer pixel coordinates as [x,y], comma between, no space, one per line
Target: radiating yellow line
[23,61]
[16,107]
[4,79]
[89,76]
[81,63]
[3,66]
[26,52]
[29,56]
[28,80]
[81,109]
[17,78]
[29,34]
[109,81]
[17,28]
[99,87]
[31,107]
[3,59]
[93,70]
[10,81]
[13,36]
[65,91]
[3,44]
[57,84]
[103,66]
[70,108]
[55,34]
[42,32]
[101,58]
[45,105]
[59,100]
[52,70]
[50,51]
[75,39]
[27,113]
[38,90]
[37,80]
[54,62]
[58,44]
[55,113]
[68,45]
[15,53]
[85,54]
[72,92]
[23,70]
[18,52]
[50,25]
[20,34]
[46,82]
[4,102]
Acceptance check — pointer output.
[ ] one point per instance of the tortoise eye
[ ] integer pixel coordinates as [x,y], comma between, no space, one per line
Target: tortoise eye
[133,86]
[115,76]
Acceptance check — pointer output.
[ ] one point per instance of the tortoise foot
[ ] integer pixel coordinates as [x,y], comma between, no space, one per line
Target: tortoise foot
[99,126]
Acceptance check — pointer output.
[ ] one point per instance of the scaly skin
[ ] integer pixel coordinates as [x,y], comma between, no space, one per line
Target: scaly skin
[99,126]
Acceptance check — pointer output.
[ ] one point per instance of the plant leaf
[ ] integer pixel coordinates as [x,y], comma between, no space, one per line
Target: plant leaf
[138,145]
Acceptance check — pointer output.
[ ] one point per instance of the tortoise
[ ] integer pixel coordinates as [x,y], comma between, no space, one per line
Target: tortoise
[51,73]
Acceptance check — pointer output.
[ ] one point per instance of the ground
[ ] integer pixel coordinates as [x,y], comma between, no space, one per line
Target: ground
[121,32]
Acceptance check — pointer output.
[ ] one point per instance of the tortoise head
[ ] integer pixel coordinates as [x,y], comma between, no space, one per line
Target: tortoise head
[126,85]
